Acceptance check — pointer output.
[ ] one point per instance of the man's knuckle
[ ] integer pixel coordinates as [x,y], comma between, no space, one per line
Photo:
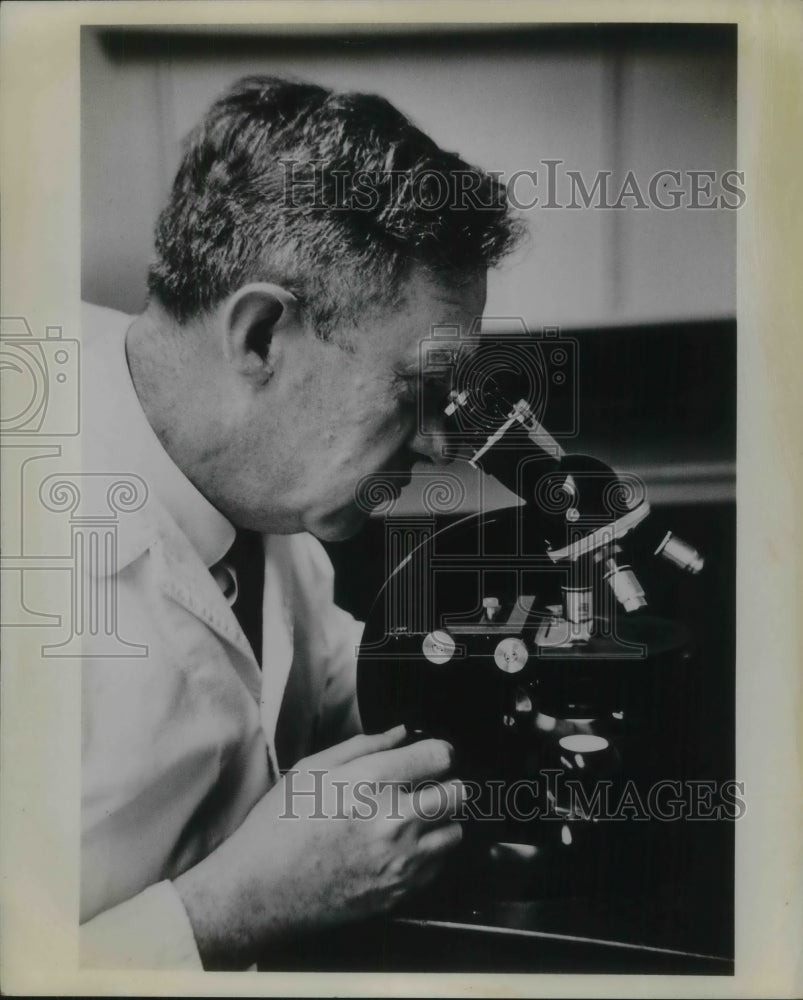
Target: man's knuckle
[361,743]
[442,755]
[394,825]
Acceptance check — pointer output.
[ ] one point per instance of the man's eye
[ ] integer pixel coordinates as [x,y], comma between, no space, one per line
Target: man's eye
[432,394]
[407,390]
[437,394]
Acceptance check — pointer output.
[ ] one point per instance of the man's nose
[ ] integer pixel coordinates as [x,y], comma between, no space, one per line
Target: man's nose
[431,444]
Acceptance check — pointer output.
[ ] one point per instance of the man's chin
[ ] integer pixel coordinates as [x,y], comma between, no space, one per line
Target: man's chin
[339,525]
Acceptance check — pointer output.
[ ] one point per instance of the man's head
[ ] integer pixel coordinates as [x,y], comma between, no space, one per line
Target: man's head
[311,242]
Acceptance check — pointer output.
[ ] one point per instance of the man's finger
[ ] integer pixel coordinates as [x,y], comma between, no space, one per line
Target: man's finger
[441,840]
[438,802]
[358,746]
[415,762]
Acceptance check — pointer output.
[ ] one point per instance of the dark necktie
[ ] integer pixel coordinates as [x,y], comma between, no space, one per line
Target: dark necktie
[247,558]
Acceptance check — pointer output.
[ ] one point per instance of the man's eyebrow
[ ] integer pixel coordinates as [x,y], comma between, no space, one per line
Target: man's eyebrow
[436,362]
[413,375]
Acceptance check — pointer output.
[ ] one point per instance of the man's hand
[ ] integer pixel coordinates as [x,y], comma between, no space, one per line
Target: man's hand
[353,848]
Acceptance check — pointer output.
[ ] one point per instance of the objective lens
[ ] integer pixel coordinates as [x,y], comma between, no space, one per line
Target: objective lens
[683,555]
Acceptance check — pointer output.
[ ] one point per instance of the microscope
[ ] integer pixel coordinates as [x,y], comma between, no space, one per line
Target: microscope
[526,637]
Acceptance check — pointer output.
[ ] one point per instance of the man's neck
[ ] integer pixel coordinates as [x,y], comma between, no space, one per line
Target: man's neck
[162,373]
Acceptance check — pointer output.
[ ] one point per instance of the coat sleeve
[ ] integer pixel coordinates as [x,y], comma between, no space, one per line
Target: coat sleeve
[338,711]
[340,714]
[149,931]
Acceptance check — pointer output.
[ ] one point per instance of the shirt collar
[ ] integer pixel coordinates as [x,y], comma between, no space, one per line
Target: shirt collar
[127,438]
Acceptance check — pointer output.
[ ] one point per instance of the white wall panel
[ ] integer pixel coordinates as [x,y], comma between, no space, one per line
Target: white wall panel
[593,109]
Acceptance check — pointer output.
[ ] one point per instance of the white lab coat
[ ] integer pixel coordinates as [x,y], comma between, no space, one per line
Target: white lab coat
[179,743]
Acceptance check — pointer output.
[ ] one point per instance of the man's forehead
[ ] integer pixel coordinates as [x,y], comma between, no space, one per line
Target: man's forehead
[446,300]
[448,316]
[426,312]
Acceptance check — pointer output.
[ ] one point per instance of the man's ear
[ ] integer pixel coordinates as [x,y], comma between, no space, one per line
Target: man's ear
[251,316]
